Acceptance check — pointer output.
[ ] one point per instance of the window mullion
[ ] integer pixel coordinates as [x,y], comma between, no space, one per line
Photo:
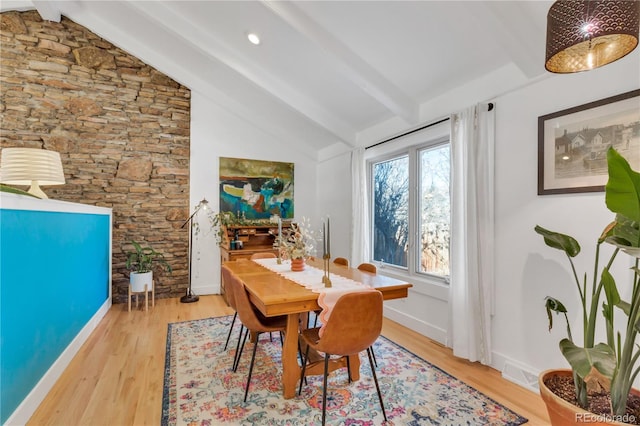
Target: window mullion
[413,209]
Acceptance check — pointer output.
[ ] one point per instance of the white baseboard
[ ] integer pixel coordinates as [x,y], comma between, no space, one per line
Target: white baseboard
[205,289]
[419,326]
[513,371]
[29,405]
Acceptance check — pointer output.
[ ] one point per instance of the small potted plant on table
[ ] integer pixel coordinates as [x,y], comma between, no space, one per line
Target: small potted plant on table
[297,244]
[602,371]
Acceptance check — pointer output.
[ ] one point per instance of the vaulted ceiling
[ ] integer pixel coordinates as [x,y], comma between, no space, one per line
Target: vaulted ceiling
[324,70]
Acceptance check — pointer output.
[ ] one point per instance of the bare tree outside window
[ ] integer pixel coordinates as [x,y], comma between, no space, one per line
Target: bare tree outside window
[391,211]
[411,210]
[435,210]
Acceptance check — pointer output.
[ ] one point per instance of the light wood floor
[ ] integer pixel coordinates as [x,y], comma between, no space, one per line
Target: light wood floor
[117,376]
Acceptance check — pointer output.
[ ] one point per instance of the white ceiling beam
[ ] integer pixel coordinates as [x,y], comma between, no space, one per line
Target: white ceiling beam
[516,31]
[184,28]
[48,10]
[352,65]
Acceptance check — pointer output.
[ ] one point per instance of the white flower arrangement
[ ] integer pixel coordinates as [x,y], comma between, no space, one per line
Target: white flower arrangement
[297,242]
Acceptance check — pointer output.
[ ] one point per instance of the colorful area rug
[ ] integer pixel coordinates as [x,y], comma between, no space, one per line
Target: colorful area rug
[200,388]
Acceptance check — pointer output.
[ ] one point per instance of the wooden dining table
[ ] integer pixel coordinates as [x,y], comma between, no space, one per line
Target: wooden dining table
[275,295]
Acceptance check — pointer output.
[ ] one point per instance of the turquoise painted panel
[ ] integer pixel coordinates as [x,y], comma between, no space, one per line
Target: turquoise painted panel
[54,276]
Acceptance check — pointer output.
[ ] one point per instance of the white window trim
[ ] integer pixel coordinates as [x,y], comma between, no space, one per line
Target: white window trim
[429,284]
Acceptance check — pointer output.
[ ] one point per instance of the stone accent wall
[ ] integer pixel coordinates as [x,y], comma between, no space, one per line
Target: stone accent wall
[121,127]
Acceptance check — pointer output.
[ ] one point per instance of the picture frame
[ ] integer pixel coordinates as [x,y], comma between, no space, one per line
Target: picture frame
[256,189]
[572,143]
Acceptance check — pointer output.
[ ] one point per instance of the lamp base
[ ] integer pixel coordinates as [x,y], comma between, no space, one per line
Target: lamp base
[189,298]
[35,190]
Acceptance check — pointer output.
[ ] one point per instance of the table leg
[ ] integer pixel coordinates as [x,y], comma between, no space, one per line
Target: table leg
[354,367]
[290,368]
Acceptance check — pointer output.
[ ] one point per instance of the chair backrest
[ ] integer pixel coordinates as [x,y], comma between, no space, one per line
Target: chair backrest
[341,261]
[267,255]
[369,267]
[244,308]
[226,278]
[355,323]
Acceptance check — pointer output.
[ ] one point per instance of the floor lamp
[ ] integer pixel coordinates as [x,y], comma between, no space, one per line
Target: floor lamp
[190,297]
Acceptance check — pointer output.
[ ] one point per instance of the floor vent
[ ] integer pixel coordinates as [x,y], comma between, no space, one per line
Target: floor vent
[520,376]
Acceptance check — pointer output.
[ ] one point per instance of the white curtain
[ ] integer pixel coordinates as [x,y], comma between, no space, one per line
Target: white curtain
[359,203]
[472,216]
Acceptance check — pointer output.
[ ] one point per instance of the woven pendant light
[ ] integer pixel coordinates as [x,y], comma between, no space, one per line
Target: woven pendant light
[587,34]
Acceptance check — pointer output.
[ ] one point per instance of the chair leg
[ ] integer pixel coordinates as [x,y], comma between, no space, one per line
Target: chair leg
[349,369]
[253,358]
[324,388]
[304,368]
[375,379]
[236,359]
[233,321]
[373,354]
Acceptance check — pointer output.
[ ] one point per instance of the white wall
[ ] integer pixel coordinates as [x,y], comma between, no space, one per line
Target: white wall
[333,197]
[217,133]
[526,270]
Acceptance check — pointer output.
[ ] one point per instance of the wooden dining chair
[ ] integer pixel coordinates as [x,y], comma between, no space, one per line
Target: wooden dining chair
[341,261]
[368,267]
[254,322]
[226,277]
[354,325]
[267,255]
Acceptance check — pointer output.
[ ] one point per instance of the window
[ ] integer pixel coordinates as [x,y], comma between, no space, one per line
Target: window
[391,211]
[411,228]
[434,207]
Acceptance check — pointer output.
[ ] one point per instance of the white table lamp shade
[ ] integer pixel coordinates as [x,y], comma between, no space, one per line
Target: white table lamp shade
[31,166]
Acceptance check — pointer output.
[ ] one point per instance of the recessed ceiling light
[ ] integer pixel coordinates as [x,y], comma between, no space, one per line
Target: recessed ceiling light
[253,38]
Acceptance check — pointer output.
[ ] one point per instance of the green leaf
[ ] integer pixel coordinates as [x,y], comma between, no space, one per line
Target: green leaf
[553,305]
[610,288]
[622,192]
[625,234]
[7,188]
[582,360]
[624,306]
[559,241]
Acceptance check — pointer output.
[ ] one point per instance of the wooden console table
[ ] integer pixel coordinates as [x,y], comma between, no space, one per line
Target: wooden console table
[255,239]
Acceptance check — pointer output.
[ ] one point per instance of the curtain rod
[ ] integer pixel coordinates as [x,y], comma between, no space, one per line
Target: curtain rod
[489,108]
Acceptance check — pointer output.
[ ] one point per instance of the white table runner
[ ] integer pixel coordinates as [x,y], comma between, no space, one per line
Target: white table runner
[311,278]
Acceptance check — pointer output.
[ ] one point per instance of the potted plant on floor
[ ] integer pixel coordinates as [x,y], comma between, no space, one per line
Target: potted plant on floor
[602,371]
[141,261]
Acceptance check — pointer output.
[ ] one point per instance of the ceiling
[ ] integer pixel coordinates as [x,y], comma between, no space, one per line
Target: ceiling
[325,71]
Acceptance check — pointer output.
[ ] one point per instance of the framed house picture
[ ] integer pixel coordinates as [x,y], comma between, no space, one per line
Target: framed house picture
[573,143]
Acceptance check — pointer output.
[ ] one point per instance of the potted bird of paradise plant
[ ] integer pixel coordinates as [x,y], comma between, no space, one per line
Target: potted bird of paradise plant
[606,368]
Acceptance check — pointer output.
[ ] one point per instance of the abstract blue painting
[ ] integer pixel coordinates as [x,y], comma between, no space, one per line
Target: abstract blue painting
[256,189]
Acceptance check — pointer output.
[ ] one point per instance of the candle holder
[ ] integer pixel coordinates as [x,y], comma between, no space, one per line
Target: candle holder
[325,278]
[279,240]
